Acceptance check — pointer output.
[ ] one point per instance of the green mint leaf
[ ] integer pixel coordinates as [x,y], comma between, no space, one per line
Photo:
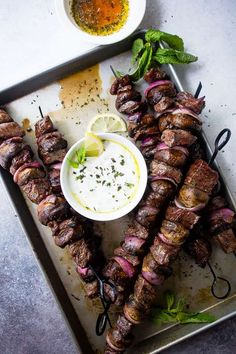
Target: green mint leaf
[137,47]
[172,40]
[172,56]
[143,63]
[170,299]
[80,155]
[185,317]
[73,164]
[119,73]
[180,305]
[159,316]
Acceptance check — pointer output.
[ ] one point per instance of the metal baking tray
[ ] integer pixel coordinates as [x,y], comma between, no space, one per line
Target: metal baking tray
[71,93]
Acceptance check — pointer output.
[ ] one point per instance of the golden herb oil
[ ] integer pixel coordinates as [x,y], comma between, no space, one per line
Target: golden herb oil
[100,17]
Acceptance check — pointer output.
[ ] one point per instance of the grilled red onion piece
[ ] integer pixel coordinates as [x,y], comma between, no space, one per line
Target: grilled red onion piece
[149,141]
[194,209]
[126,266]
[34,164]
[153,278]
[157,83]
[134,118]
[156,178]
[225,214]
[188,112]
[134,241]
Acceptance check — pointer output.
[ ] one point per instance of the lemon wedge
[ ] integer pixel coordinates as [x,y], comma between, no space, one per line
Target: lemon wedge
[107,123]
[93,145]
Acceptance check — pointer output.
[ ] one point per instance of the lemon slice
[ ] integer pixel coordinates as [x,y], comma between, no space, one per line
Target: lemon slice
[107,123]
[93,145]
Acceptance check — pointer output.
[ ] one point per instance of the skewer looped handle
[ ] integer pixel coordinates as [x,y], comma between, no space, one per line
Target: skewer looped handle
[216,281]
[219,145]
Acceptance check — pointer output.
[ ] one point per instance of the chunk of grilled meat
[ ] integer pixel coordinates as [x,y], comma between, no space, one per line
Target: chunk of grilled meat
[23,157]
[68,230]
[54,178]
[52,208]
[9,149]
[120,83]
[28,172]
[154,74]
[161,169]
[164,104]
[201,176]
[187,218]
[155,94]
[37,189]
[163,187]
[10,130]
[162,252]
[174,137]
[44,126]
[227,240]
[171,156]
[185,99]
[192,196]
[180,120]
[199,249]
[4,117]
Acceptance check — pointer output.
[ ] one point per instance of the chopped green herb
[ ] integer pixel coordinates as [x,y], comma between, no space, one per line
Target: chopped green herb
[122,162]
[108,184]
[119,188]
[91,190]
[113,160]
[80,177]
[73,164]
[97,176]
[129,185]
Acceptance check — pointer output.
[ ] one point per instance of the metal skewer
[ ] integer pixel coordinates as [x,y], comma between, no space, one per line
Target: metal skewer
[198,90]
[216,279]
[40,110]
[103,317]
[113,71]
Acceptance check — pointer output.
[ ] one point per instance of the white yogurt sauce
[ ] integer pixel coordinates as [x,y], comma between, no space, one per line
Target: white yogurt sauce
[108,182]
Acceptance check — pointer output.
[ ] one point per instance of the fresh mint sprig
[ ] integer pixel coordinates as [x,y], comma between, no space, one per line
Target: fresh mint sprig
[80,158]
[175,312]
[144,52]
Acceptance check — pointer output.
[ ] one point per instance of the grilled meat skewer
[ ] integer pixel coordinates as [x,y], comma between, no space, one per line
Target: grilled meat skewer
[175,229]
[68,228]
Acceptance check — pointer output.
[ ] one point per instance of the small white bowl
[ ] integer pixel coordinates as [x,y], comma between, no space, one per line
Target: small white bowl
[116,213]
[135,16]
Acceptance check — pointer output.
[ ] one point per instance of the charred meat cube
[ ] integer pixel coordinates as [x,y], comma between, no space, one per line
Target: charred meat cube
[28,172]
[52,208]
[162,252]
[144,132]
[155,94]
[137,230]
[200,250]
[130,257]
[146,215]
[186,218]
[227,240]
[4,117]
[9,149]
[154,74]
[171,156]
[163,187]
[124,326]
[186,100]
[114,272]
[54,178]
[161,169]
[49,158]
[154,273]
[126,96]
[154,200]
[179,120]
[91,289]
[67,231]
[10,130]
[144,292]
[51,142]
[116,340]
[135,311]
[131,107]
[201,176]
[215,203]
[23,157]
[164,104]
[192,196]
[119,83]
[84,254]
[37,189]
[174,233]
[177,137]
[44,126]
